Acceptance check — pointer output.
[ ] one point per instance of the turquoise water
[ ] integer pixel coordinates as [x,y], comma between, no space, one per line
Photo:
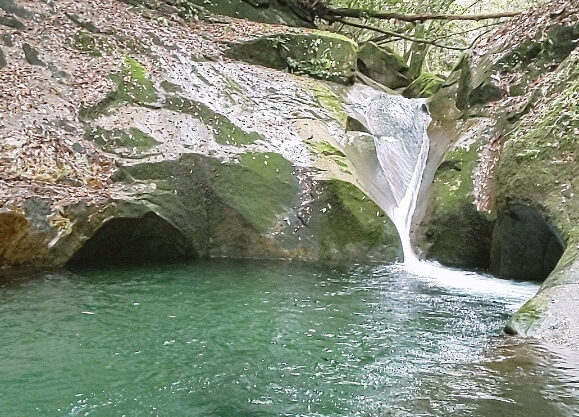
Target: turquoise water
[271,339]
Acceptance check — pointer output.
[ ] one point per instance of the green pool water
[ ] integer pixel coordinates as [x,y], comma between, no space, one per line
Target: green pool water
[232,338]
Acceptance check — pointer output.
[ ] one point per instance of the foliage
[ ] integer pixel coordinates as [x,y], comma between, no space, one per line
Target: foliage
[449,37]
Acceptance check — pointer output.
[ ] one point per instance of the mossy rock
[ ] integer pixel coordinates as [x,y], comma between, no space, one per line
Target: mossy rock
[250,208]
[224,130]
[349,225]
[552,313]
[260,187]
[538,169]
[133,86]
[538,165]
[426,85]
[329,100]
[90,43]
[133,140]
[318,54]
[383,65]
[455,233]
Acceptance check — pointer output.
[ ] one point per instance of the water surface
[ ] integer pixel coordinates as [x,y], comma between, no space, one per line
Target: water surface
[271,339]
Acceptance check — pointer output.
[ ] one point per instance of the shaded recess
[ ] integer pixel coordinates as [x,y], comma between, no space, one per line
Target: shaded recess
[134,240]
[524,245]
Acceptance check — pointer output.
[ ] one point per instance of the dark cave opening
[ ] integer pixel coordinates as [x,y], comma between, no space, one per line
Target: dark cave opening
[146,239]
[524,245]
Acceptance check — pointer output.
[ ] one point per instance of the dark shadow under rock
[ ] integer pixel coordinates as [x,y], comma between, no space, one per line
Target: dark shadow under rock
[147,239]
[524,245]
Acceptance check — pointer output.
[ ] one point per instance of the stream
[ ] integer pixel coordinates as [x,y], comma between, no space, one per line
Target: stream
[248,338]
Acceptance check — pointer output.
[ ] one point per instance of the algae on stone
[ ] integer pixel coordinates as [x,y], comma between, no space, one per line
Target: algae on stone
[133,85]
[260,187]
[350,225]
[426,85]
[318,54]
[116,140]
[455,233]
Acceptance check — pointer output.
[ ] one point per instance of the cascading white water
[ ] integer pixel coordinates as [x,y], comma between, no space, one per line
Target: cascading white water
[391,170]
[399,126]
[390,161]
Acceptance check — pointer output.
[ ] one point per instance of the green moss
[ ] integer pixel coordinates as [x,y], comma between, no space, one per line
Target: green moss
[539,165]
[86,42]
[526,317]
[134,83]
[317,54]
[456,233]
[330,101]
[261,187]
[346,220]
[225,131]
[426,85]
[453,182]
[112,140]
[326,149]
[133,86]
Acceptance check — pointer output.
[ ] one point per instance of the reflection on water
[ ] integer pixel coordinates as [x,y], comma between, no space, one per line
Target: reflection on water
[270,339]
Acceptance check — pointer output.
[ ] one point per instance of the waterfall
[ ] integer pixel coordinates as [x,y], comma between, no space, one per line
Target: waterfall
[399,126]
[390,159]
[391,168]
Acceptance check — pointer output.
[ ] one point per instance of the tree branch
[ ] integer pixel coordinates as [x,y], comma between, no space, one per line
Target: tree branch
[401,36]
[334,14]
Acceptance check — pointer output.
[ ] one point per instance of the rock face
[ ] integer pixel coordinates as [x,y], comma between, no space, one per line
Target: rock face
[524,245]
[319,54]
[383,65]
[130,136]
[512,173]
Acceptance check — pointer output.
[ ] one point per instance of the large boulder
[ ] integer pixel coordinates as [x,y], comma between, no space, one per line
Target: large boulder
[125,147]
[453,231]
[383,65]
[322,55]
[539,169]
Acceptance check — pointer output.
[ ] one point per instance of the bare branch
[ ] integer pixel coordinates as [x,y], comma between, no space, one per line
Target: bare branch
[334,14]
[397,36]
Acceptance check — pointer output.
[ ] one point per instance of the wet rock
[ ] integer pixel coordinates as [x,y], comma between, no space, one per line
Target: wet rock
[551,314]
[383,65]
[453,232]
